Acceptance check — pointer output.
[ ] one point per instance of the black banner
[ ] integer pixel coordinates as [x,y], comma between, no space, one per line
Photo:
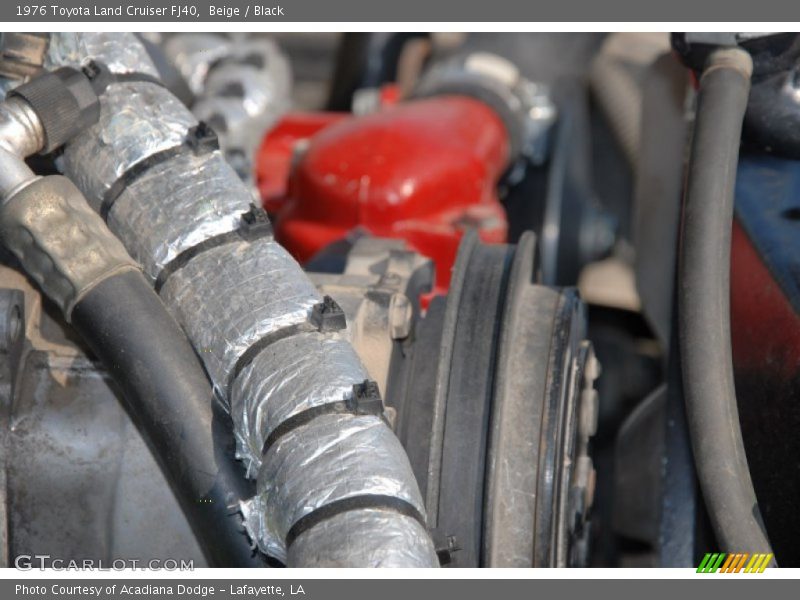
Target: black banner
[268,588]
[200,11]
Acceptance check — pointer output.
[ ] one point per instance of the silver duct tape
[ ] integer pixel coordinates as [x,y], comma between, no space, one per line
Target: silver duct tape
[229,111]
[228,298]
[137,120]
[194,54]
[176,205]
[259,89]
[331,458]
[246,119]
[260,77]
[364,538]
[287,377]
[272,60]
[120,52]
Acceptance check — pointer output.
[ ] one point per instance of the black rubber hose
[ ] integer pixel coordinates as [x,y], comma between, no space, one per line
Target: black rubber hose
[704,305]
[169,398]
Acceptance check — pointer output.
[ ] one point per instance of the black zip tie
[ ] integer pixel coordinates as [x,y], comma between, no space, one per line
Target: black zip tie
[444,546]
[254,225]
[361,502]
[365,401]
[326,316]
[263,342]
[200,139]
[101,77]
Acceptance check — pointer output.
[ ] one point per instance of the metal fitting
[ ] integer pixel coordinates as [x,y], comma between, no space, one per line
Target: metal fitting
[21,131]
[14,174]
[525,107]
[62,243]
[64,102]
[21,134]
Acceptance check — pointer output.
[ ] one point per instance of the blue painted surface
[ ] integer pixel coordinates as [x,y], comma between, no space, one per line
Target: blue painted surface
[768,208]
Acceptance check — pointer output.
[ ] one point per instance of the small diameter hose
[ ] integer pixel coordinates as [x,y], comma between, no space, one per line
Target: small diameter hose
[169,398]
[704,305]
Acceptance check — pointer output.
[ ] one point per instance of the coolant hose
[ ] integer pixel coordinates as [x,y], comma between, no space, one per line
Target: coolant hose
[169,398]
[704,305]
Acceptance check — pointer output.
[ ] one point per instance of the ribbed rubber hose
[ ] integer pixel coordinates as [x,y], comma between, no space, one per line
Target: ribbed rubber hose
[704,305]
[169,398]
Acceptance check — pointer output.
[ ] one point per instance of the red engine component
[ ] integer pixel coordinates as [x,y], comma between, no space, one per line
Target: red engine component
[765,328]
[423,171]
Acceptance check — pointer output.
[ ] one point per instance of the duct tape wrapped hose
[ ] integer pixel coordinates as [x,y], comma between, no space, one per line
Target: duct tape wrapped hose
[334,490]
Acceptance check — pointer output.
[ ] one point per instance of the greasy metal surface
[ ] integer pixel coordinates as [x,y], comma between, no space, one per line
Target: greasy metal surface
[15,174]
[12,341]
[80,481]
[22,53]
[21,135]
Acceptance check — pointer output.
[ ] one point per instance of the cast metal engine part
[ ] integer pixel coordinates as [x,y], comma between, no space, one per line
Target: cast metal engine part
[476,145]
[412,172]
[525,107]
[78,479]
[379,290]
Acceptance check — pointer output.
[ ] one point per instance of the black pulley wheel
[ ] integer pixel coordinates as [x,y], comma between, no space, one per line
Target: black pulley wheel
[503,388]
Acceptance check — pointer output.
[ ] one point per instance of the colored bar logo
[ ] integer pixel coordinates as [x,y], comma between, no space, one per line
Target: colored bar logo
[742,562]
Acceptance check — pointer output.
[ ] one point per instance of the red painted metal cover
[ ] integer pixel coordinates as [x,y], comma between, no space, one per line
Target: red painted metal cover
[423,171]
